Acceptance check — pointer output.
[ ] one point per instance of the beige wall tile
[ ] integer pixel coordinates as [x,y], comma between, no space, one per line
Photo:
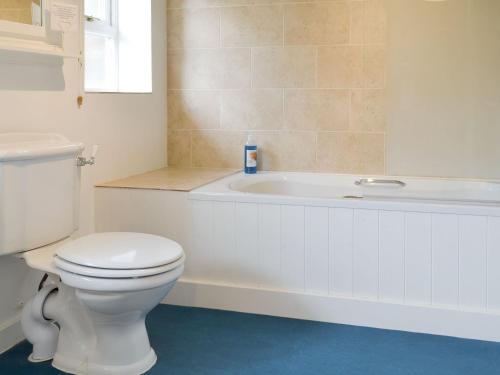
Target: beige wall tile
[317,109]
[278,67]
[209,69]
[368,22]
[193,28]
[362,153]
[252,109]
[340,67]
[252,26]
[179,148]
[189,109]
[357,22]
[217,149]
[320,23]
[317,103]
[375,22]
[368,112]
[374,66]
[287,150]
[270,156]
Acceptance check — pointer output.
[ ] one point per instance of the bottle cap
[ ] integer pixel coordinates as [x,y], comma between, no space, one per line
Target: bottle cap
[250,139]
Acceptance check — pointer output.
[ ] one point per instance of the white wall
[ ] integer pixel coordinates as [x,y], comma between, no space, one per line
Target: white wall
[131,130]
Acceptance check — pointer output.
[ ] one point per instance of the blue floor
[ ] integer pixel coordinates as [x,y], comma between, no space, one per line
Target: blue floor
[206,342]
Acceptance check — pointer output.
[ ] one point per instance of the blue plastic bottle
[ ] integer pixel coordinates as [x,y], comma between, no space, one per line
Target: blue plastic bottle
[250,156]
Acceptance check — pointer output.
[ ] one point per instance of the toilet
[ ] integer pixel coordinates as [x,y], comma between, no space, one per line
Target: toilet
[89,315]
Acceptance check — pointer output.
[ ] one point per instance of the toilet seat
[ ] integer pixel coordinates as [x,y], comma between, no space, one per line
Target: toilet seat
[112,279]
[131,284]
[64,265]
[119,262]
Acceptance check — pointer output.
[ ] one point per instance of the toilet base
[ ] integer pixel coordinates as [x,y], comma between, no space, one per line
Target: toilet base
[32,359]
[139,367]
[99,333]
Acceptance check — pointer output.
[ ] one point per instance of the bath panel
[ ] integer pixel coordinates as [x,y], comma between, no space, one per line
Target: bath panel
[403,257]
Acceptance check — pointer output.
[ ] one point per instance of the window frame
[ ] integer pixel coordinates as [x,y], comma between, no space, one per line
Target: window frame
[119,29]
[107,28]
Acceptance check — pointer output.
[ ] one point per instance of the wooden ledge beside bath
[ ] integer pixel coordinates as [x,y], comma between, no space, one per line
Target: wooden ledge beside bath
[170,179]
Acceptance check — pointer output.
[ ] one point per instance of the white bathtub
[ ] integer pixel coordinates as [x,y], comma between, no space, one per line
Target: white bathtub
[424,256]
[330,190]
[352,187]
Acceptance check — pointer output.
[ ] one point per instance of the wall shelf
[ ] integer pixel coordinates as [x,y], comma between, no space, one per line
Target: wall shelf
[33,47]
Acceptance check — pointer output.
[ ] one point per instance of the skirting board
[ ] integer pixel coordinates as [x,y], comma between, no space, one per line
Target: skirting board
[10,334]
[338,309]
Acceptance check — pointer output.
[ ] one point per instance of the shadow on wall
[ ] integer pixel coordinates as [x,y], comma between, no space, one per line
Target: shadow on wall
[21,71]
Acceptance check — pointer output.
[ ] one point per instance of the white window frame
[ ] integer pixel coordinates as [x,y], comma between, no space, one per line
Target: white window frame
[129,30]
[106,28]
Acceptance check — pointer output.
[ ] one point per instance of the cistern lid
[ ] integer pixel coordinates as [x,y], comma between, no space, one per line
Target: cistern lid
[121,251]
[26,146]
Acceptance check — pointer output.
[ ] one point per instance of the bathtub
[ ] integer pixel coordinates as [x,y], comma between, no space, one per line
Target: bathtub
[417,254]
[331,190]
[411,254]
[378,188]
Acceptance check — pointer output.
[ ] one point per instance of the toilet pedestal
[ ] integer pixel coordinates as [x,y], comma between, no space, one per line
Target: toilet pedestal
[118,319]
[101,333]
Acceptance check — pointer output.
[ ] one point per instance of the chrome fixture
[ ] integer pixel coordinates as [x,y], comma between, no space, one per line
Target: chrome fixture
[375,182]
[82,161]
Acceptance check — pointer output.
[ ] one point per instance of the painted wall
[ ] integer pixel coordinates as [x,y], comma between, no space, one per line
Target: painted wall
[307,78]
[129,128]
[444,88]
[343,86]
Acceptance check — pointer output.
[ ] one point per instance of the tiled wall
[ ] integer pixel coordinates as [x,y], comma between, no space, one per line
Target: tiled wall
[307,78]
[16,10]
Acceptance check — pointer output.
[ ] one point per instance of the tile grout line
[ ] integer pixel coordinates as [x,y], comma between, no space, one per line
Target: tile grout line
[270,46]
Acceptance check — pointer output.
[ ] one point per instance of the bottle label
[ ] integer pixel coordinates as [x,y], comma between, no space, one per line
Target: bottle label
[251,158]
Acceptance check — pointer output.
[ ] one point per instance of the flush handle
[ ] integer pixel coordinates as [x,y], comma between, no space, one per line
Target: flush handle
[83,161]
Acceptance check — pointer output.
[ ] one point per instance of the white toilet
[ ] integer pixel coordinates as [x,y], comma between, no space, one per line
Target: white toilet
[89,315]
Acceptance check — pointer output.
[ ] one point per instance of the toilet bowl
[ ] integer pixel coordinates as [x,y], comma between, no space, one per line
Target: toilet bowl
[110,282]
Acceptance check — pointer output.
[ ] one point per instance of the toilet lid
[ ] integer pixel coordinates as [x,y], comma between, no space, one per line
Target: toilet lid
[121,251]
[104,273]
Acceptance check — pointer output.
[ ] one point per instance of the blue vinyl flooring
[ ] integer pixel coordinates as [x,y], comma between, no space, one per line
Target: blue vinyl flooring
[206,342]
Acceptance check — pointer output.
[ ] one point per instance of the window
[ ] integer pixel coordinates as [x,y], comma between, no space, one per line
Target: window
[118,46]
